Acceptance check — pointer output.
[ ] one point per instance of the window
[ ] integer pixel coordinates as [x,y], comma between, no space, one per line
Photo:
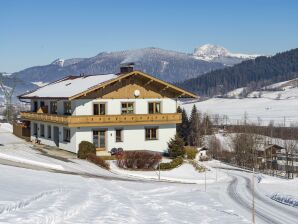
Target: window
[42,104]
[35,129]
[127,108]
[67,108]
[66,134]
[119,135]
[41,130]
[35,106]
[154,108]
[151,133]
[99,109]
[53,107]
[49,131]
[99,138]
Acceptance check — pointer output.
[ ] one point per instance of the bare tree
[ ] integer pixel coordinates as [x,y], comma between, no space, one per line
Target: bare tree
[8,92]
[290,151]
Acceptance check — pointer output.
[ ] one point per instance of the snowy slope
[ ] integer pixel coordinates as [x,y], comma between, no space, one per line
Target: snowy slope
[277,102]
[258,110]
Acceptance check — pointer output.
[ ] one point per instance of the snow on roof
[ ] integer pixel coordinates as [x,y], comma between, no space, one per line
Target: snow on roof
[69,86]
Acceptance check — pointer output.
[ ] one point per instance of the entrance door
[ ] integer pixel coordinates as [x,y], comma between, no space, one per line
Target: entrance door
[99,139]
[56,136]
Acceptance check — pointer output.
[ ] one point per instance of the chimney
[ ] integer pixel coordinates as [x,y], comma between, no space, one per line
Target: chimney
[126,67]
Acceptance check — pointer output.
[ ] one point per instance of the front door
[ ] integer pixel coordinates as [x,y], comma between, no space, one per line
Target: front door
[99,139]
[56,136]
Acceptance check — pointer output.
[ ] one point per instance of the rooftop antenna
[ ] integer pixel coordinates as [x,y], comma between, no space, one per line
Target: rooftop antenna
[8,92]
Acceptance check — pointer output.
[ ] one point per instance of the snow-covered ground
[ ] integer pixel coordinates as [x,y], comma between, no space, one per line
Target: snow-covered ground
[28,196]
[40,196]
[184,174]
[277,102]
[258,110]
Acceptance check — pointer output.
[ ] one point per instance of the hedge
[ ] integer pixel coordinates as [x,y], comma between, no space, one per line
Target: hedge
[98,161]
[138,160]
[171,165]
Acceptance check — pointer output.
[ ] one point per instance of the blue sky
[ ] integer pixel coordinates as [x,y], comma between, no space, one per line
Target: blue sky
[35,32]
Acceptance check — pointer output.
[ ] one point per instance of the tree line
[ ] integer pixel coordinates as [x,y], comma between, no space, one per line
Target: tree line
[253,74]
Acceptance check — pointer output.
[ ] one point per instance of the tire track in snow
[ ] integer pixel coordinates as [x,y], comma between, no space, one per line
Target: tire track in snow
[266,215]
[7,208]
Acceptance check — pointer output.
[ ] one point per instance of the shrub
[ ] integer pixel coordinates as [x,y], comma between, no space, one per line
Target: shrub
[171,165]
[176,147]
[190,152]
[86,148]
[197,166]
[138,160]
[98,161]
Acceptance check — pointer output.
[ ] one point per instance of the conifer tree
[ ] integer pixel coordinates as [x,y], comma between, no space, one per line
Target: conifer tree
[176,146]
[194,137]
[183,128]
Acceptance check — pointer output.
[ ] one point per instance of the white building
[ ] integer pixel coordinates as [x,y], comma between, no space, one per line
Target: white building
[131,110]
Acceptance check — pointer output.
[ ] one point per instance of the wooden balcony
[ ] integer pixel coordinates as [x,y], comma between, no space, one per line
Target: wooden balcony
[104,120]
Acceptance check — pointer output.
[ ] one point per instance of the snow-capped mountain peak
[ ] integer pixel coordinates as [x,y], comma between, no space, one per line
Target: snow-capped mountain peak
[215,53]
[210,51]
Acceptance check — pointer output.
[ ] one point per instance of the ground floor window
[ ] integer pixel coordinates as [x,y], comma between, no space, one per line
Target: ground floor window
[99,138]
[49,131]
[119,137]
[151,133]
[41,130]
[66,134]
[35,129]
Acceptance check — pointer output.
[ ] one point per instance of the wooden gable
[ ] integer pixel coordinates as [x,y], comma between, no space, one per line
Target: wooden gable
[126,87]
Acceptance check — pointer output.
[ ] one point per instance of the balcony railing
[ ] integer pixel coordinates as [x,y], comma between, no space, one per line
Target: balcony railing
[104,120]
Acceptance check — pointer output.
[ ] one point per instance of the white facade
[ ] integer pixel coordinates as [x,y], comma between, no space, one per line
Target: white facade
[133,137]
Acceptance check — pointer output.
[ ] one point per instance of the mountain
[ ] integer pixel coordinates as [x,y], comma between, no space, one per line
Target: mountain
[214,53]
[252,74]
[168,65]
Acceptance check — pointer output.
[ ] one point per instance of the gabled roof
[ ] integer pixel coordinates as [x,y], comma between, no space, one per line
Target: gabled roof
[73,87]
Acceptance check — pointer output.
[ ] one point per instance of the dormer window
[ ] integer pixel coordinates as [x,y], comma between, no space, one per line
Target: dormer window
[67,108]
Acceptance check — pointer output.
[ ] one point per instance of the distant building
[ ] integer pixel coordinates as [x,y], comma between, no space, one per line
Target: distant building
[275,158]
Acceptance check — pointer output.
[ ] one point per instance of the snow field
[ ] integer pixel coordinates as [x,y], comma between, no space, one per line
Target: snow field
[41,197]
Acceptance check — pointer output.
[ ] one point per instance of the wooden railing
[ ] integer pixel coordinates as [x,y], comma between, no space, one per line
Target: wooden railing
[104,120]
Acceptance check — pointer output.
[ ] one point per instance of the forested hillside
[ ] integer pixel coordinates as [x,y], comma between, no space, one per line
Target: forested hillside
[253,74]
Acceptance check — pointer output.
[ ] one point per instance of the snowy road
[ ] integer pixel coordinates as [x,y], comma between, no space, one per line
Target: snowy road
[266,210]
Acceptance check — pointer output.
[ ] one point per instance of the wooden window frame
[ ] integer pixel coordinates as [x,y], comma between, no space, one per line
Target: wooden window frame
[65,112]
[128,102]
[51,107]
[98,138]
[42,131]
[121,134]
[150,133]
[65,137]
[154,107]
[49,132]
[105,105]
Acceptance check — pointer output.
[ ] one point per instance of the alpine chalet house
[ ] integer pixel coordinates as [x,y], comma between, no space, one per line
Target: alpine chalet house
[130,110]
